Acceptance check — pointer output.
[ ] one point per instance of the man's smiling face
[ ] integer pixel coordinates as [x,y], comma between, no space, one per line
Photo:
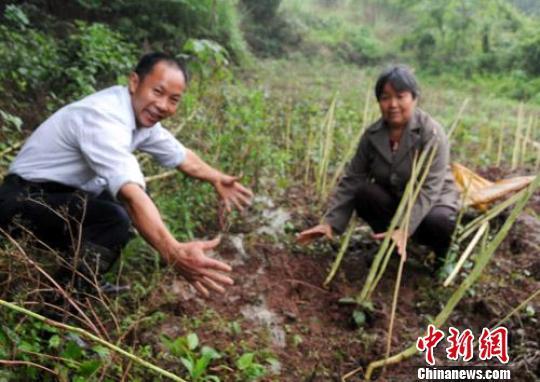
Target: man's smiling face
[156,96]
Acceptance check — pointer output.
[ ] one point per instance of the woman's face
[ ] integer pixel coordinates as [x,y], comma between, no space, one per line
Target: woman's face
[396,107]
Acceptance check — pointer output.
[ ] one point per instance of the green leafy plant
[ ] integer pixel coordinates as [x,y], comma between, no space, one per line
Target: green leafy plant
[249,368]
[195,359]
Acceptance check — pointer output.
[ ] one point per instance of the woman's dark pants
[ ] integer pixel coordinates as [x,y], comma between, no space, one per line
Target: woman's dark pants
[66,219]
[376,206]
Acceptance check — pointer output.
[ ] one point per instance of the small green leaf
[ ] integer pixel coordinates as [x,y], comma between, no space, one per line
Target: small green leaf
[245,361]
[192,341]
[72,351]
[102,351]
[347,301]
[200,367]
[54,341]
[359,317]
[87,368]
[209,352]
[188,363]
[27,346]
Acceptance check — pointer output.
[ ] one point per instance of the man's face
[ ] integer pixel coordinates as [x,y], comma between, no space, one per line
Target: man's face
[157,96]
[396,107]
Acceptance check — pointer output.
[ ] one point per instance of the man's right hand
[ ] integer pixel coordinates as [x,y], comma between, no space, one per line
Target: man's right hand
[307,236]
[188,258]
[201,271]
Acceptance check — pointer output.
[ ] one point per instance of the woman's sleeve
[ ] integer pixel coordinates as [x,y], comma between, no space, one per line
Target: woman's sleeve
[431,189]
[343,197]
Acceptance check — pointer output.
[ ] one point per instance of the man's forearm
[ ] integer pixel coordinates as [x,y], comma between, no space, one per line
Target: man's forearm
[147,219]
[195,167]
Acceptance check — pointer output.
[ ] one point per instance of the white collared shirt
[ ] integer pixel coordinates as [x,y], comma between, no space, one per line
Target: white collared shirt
[89,145]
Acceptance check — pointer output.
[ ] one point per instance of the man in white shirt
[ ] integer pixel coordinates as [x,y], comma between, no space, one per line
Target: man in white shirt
[73,167]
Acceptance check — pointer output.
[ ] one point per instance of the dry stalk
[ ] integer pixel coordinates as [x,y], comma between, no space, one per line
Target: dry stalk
[307,155]
[405,228]
[9,363]
[518,308]
[500,147]
[385,250]
[467,252]
[488,215]
[526,140]
[342,249]
[64,294]
[455,123]
[326,149]
[517,136]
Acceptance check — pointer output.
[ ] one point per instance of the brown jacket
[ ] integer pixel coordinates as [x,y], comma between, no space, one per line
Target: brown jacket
[375,162]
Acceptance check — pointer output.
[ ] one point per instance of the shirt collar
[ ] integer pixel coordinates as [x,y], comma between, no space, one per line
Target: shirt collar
[126,99]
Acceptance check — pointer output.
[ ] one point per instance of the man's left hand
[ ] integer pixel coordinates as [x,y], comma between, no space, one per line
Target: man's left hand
[232,192]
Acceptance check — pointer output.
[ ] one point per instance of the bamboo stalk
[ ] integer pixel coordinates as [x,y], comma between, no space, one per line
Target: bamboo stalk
[353,143]
[526,140]
[405,228]
[490,214]
[457,119]
[489,143]
[288,119]
[91,337]
[517,136]
[499,149]
[537,165]
[342,249]
[384,253]
[466,253]
[309,148]
[350,152]
[326,151]
[482,260]
[414,191]
[366,106]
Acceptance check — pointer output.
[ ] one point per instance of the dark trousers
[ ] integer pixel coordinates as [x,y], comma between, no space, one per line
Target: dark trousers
[377,206]
[65,218]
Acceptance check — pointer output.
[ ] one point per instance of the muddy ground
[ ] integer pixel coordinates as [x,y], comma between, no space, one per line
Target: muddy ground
[281,306]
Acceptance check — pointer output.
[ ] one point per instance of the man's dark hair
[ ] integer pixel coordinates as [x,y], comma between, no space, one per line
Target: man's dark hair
[400,77]
[149,60]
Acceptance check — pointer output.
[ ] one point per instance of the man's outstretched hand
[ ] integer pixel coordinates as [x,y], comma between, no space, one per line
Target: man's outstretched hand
[232,192]
[203,272]
[307,236]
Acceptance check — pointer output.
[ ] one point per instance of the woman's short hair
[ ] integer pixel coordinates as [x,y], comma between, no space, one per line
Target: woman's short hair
[400,77]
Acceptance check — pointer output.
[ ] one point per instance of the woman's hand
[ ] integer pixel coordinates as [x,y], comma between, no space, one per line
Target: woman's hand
[232,192]
[203,272]
[307,236]
[399,237]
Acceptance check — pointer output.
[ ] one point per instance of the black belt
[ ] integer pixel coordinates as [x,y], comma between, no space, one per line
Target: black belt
[45,186]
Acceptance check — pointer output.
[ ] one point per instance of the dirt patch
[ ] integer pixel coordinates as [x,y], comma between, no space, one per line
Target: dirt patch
[280,304]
